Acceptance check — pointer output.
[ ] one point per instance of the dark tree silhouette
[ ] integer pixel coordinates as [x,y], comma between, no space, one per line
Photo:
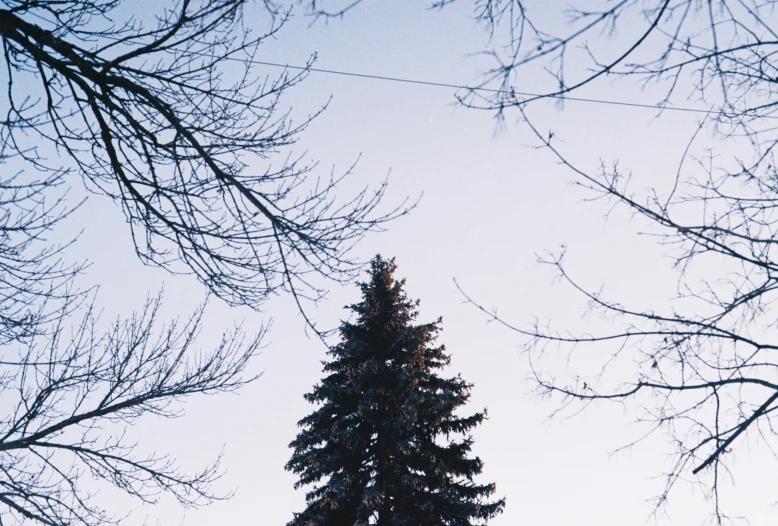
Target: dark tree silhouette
[69,397]
[378,449]
[164,111]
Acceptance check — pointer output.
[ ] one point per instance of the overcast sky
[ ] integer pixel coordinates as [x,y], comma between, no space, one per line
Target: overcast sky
[490,204]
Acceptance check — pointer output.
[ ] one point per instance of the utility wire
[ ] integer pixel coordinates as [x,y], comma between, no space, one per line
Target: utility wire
[379,77]
[455,86]
[488,90]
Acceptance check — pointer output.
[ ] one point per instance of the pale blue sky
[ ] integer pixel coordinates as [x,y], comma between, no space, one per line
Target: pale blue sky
[490,204]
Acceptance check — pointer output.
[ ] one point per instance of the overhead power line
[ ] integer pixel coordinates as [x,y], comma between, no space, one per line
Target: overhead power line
[487,90]
[430,83]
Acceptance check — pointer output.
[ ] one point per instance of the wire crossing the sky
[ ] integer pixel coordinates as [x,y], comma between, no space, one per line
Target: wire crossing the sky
[429,83]
[488,90]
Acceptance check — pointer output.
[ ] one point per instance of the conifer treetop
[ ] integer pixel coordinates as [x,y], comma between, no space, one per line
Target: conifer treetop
[384,446]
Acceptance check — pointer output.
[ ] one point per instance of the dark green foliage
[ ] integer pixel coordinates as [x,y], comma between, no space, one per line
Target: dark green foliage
[379,449]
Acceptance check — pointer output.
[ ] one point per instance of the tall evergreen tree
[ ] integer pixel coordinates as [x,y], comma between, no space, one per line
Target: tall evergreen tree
[379,449]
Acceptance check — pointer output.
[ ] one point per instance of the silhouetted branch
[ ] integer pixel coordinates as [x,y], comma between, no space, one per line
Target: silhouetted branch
[174,122]
[704,373]
[72,396]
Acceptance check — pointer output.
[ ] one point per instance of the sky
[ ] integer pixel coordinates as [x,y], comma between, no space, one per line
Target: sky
[490,203]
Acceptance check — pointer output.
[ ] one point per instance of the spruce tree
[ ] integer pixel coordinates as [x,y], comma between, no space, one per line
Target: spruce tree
[385,446]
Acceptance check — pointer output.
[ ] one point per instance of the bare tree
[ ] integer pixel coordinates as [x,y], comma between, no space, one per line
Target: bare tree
[700,369]
[69,397]
[166,113]
[35,284]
